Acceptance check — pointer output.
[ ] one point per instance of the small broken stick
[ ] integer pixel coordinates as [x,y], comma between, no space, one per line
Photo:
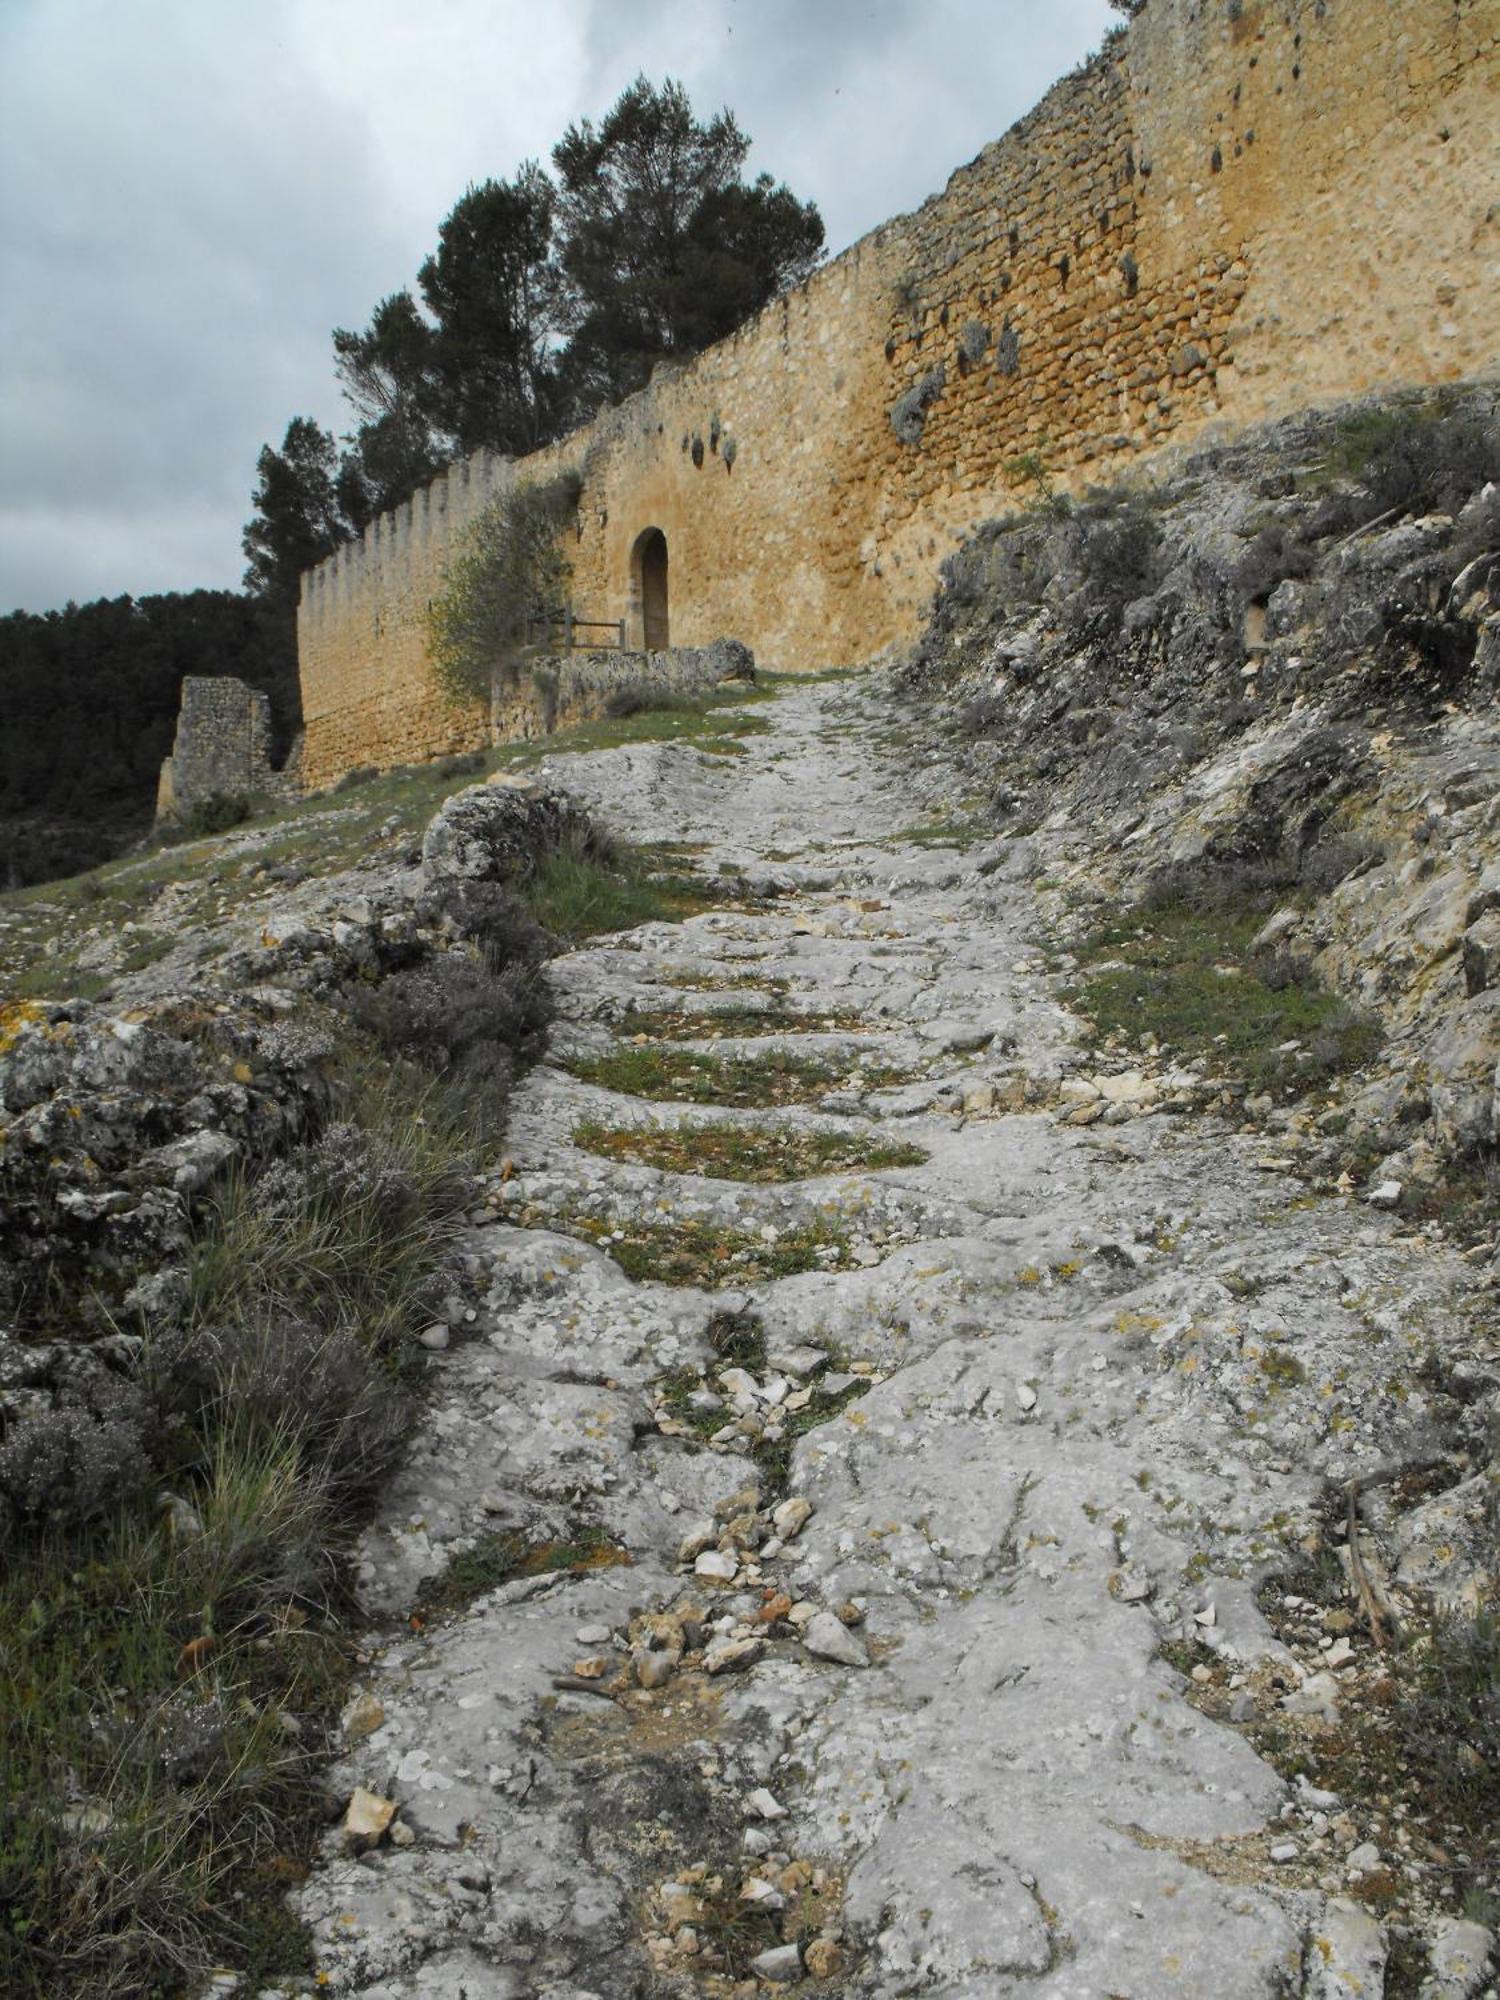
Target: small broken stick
[1379,1614]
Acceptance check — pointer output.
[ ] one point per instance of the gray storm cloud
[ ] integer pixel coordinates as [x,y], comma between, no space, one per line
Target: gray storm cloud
[194,193]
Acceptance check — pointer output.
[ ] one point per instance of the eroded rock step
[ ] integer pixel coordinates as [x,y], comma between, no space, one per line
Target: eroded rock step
[853,1674]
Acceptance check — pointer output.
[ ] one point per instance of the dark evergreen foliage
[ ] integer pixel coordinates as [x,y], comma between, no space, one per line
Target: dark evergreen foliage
[664,248]
[298,520]
[90,700]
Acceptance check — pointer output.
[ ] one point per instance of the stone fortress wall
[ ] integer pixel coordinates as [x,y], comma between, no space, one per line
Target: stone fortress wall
[1239,207]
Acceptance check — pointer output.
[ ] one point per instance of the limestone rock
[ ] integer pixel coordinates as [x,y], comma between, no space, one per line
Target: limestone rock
[1459,1957]
[496,833]
[826,1637]
[366,1818]
[730,1656]
[781,1964]
[716,1566]
[1346,1954]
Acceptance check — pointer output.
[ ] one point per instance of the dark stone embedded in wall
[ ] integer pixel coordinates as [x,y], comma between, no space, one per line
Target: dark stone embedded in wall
[222,748]
[909,411]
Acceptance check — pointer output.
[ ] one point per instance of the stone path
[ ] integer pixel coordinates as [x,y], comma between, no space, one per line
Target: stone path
[1068,1390]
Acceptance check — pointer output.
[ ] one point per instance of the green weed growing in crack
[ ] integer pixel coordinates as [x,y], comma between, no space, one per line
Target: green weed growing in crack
[504,1555]
[665,1073]
[744,1153]
[706,1254]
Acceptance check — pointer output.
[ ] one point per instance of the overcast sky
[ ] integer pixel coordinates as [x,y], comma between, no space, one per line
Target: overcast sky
[193,193]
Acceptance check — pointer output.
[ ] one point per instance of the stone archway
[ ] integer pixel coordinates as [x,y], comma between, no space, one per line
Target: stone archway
[648,591]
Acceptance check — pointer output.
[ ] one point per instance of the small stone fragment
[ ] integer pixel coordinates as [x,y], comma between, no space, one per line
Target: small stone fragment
[366,1818]
[715,1564]
[762,1895]
[764,1805]
[362,1717]
[782,1963]
[823,1958]
[731,1656]
[1129,1587]
[790,1517]
[654,1668]
[1284,1851]
[1025,1396]
[1318,1695]
[830,1640]
[434,1336]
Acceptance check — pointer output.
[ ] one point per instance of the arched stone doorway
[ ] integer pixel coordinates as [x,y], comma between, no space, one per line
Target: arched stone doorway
[648,590]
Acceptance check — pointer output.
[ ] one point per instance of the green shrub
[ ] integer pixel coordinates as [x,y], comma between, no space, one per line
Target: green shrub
[450,1008]
[510,572]
[76,1462]
[1416,458]
[1116,548]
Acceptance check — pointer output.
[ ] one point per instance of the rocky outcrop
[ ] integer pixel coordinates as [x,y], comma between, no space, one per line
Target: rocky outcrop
[495,833]
[120,1121]
[1277,668]
[889,1581]
[115,1121]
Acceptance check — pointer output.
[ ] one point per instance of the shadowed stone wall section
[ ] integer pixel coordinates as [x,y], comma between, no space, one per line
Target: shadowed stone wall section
[222,747]
[1237,209]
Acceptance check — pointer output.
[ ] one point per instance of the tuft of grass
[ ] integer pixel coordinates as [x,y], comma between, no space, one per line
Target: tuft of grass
[942,833]
[1188,977]
[348,1254]
[744,1153]
[701,1253]
[692,980]
[165,1703]
[504,1555]
[1447,1718]
[693,1076]
[739,1019]
[577,893]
